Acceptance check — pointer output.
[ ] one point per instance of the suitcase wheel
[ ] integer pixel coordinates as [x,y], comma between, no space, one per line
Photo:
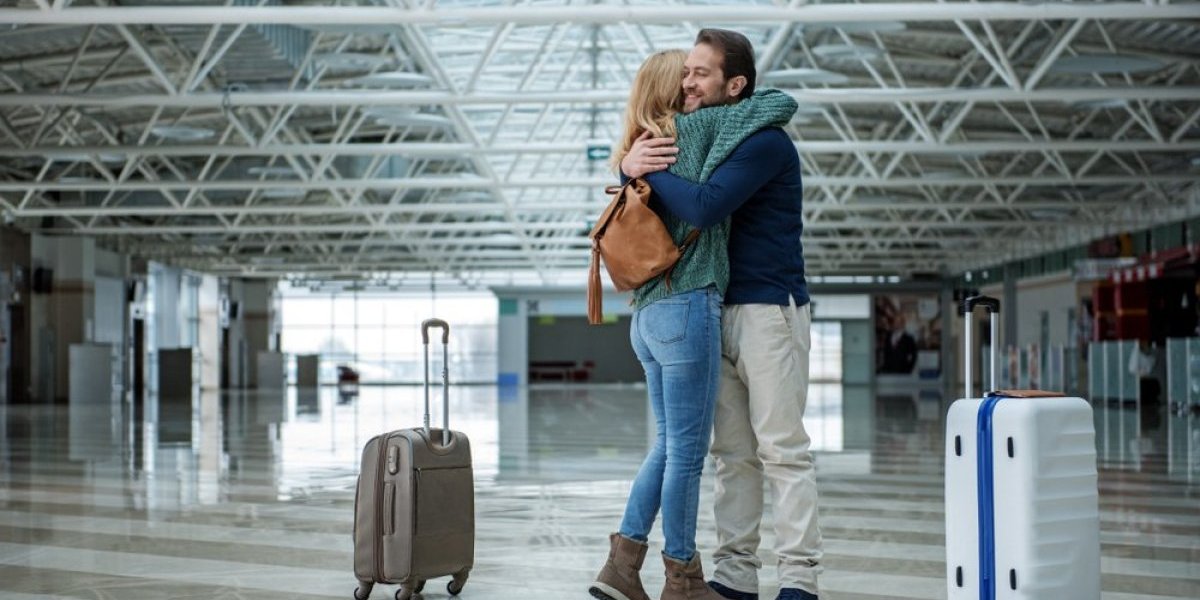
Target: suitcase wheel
[404,593]
[455,587]
[363,591]
[420,586]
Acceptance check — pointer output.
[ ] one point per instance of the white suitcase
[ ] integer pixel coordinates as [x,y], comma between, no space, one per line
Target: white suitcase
[1022,509]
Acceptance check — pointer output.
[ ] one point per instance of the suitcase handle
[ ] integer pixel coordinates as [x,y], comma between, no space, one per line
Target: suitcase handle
[969,304]
[425,325]
[967,309]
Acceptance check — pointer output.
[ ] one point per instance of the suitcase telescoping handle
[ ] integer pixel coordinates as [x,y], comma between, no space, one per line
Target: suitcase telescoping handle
[445,327]
[967,309]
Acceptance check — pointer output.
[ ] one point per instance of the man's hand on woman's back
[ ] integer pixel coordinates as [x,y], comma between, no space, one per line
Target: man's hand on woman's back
[648,155]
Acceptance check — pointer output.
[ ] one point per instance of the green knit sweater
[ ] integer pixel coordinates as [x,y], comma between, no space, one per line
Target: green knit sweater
[705,139]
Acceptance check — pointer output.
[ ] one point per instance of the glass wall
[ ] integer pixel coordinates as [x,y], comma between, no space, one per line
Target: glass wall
[825,357]
[1183,409]
[379,333]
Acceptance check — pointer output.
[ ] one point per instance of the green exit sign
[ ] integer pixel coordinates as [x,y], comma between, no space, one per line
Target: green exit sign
[598,152]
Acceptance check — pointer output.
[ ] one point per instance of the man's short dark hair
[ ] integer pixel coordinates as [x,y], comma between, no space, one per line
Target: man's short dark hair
[737,53]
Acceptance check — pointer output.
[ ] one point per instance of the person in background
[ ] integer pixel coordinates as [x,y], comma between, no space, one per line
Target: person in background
[900,348]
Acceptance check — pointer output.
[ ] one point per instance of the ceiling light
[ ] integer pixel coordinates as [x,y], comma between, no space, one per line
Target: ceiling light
[805,75]
[352,60]
[881,201]
[943,175]
[388,111]
[277,171]
[468,196]
[958,153]
[1100,104]
[1105,64]
[182,132]
[502,238]
[282,193]
[847,51]
[801,120]
[82,156]
[1050,214]
[393,79]
[342,28]
[868,26]
[412,120]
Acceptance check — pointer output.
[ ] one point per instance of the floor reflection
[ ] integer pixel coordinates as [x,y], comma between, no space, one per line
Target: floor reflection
[250,495]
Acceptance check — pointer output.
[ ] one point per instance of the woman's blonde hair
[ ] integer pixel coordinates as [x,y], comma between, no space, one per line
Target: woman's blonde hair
[656,96]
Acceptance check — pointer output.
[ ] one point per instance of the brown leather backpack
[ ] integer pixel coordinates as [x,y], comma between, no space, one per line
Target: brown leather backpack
[634,243]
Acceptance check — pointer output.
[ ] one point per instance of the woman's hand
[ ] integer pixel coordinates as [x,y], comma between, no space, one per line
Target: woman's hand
[648,155]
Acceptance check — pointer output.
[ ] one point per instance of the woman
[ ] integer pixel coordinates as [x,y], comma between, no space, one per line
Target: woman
[676,333]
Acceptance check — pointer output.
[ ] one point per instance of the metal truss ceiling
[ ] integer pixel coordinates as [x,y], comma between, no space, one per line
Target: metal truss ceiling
[394,138]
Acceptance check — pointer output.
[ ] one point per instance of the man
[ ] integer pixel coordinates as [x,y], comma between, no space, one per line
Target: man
[899,349]
[759,430]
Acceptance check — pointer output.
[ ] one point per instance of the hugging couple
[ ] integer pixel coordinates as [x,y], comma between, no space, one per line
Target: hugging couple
[726,345]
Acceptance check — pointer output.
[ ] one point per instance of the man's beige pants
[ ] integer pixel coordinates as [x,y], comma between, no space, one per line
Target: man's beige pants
[759,432]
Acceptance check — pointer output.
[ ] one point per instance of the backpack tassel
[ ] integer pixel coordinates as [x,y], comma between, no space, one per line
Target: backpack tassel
[594,299]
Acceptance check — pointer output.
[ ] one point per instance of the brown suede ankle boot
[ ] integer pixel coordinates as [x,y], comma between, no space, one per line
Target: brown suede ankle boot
[619,579]
[686,581]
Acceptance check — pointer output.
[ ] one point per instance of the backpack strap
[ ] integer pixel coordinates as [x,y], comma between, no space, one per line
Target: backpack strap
[691,238]
[598,229]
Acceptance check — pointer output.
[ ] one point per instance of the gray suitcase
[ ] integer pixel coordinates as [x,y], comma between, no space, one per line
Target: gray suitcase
[414,507]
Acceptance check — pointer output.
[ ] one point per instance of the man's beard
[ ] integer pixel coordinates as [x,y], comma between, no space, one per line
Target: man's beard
[704,102]
[721,100]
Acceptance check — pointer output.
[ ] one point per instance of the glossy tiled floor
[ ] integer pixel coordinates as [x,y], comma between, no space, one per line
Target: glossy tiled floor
[253,497]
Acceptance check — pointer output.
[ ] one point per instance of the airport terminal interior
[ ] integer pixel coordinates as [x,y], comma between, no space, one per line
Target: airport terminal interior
[224,223]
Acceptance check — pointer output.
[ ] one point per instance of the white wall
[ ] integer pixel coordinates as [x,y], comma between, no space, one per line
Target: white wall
[109,323]
[111,264]
[1053,294]
[252,330]
[63,317]
[512,343]
[209,343]
[836,307]
[168,306]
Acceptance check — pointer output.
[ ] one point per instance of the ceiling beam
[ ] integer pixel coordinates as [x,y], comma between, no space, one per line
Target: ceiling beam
[364,97]
[566,226]
[573,252]
[601,15]
[452,150]
[841,242]
[533,208]
[475,183]
[419,279]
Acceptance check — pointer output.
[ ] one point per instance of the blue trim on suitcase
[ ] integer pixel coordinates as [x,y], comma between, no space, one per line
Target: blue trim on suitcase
[986,499]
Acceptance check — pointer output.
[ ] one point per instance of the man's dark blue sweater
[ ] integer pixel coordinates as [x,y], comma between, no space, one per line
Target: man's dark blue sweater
[759,185]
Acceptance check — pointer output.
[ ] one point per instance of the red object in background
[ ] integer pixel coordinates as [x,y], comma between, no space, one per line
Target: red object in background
[1132,304]
[1122,305]
[1104,312]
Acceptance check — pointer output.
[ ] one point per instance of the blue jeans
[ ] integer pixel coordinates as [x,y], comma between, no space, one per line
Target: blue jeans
[678,341]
